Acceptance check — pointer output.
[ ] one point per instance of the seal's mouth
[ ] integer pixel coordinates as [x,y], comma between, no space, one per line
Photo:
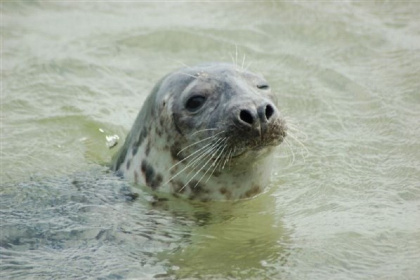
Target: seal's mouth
[260,147]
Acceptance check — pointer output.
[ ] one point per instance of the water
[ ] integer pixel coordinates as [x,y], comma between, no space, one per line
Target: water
[344,202]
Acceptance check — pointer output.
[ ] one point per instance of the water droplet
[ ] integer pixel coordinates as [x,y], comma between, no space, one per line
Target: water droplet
[112,140]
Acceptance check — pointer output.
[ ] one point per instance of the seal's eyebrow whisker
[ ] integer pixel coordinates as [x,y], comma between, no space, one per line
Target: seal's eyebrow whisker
[243,62]
[231,57]
[234,59]
[189,75]
[236,54]
[180,62]
[246,68]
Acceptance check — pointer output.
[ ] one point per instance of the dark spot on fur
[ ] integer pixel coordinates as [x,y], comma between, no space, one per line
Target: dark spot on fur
[174,117]
[153,179]
[135,149]
[148,147]
[251,192]
[148,172]
[156,182]
[227,193]
[143,166]
[178,187]
[175,148]
[197,187]
[198,190]
[143,134]
[128,164]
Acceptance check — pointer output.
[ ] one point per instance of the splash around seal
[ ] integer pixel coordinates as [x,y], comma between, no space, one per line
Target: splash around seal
[206,132]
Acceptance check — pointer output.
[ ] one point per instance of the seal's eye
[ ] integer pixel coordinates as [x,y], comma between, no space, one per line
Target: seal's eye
[194,103]
[263,86]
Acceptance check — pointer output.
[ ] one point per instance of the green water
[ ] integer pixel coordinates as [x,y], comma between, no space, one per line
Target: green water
[344,202]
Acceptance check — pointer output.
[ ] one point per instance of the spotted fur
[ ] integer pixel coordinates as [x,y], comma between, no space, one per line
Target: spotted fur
[204,133]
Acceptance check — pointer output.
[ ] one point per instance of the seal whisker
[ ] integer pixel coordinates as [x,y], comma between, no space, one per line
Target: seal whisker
[294,128]
[189,75]
[204,150]
[205,164]
[246,68]
[299,142]
[227,158]
[259,155]
[193,165]
[291,151]
[217,162]
[180,62]
[236,54]
[214,165]
[199,141]
[189,164]
[235,59]
[231,156]
[205,154]
[192,154]
[206,129]
[195,160]
[231,57]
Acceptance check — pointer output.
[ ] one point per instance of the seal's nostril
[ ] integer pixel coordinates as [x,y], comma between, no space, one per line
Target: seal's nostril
[246,116]
[269,111]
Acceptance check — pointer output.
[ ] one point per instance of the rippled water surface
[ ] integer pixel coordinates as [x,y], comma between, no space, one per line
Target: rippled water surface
[344,202]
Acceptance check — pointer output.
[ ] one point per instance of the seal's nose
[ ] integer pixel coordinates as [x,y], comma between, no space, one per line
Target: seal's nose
[253,117]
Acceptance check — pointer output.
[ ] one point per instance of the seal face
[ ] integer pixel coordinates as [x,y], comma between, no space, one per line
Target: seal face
[205,132]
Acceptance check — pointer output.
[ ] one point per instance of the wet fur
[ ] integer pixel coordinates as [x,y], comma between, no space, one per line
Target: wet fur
[209,154]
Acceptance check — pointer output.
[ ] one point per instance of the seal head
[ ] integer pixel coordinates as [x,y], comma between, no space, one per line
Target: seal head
[205,132]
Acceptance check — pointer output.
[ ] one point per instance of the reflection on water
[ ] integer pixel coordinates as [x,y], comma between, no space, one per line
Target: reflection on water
[344,202]
[96,222]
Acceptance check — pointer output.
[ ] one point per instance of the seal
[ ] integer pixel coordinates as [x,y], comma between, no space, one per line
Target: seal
[205,133]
